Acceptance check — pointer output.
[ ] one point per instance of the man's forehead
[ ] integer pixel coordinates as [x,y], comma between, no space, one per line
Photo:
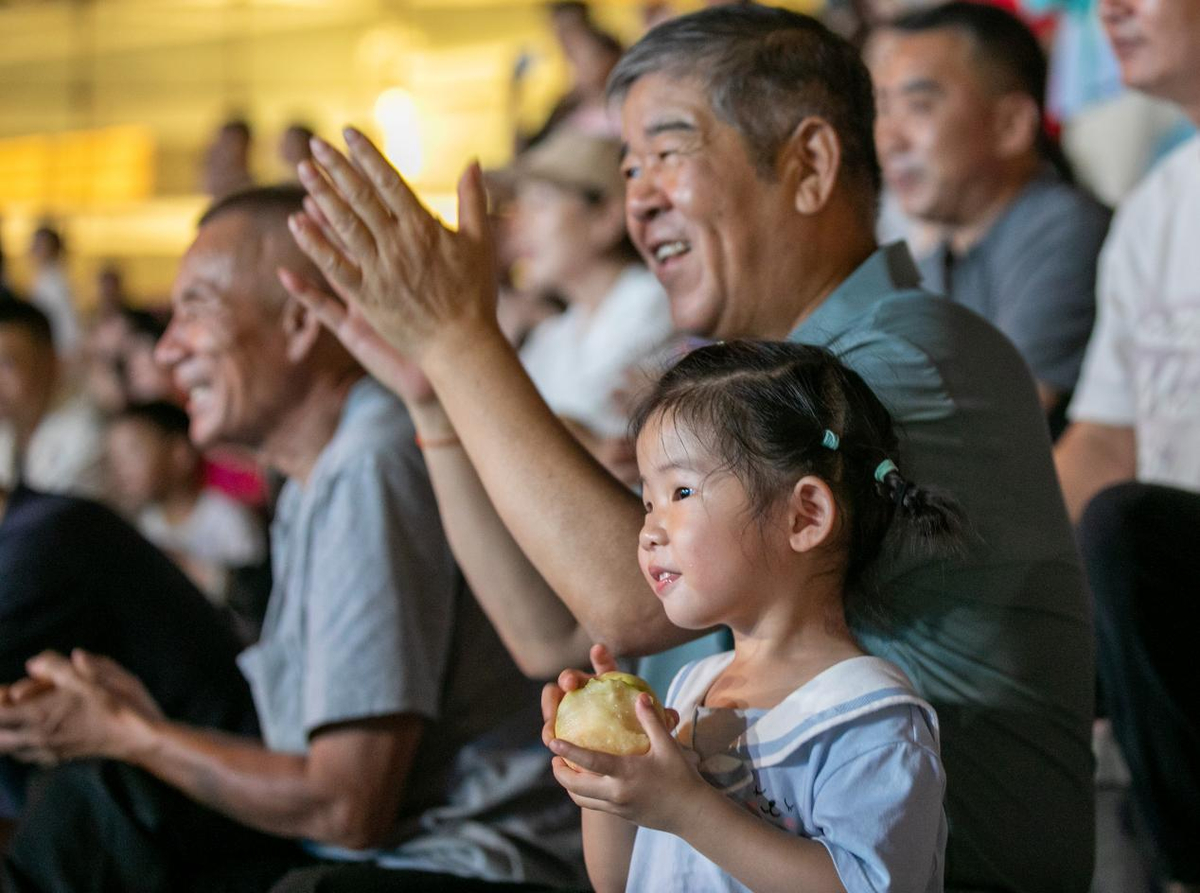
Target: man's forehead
[224,250]
[660,98]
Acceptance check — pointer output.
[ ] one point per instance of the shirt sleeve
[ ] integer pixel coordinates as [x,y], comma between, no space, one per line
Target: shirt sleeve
[880,816]
[1048,290]
[381,598]
[1105,393]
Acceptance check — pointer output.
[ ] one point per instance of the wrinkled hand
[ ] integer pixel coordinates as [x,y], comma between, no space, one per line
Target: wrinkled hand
[398,270]
[569,680]
[72,708]
[657,789]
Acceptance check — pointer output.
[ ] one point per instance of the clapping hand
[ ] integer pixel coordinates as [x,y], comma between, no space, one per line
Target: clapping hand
[405,280]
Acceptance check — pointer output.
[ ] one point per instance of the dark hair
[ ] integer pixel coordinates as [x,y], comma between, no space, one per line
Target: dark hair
[764,408]
[260,201]
[166,418]
[764,70]
[1009,50]
[52,237]
[240,126]
[28,318]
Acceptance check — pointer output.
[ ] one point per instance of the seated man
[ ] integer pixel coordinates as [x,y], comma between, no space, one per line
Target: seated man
[395,729]
[959,91]
[74,575]
[157,479]
[50,439]
[1130,461]
[751,192]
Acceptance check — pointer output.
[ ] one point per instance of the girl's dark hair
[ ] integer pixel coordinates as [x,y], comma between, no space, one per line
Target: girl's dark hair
[763,409]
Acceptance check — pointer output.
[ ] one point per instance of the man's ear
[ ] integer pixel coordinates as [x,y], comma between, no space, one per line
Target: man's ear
[1017,124]
[810,162]
[812,514]
[301,328]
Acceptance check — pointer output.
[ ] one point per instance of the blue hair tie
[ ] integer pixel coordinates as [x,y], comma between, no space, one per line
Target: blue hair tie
[830,441]
[884,468]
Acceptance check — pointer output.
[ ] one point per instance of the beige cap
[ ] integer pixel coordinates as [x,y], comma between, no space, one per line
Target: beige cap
[576,160]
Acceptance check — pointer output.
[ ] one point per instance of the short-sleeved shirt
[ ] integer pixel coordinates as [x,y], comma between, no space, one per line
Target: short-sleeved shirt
[368,617]
[1143,363]
[849,759]
[1033,275]
[998,639]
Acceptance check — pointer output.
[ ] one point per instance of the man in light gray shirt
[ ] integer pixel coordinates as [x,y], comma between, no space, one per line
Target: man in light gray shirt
[399,738]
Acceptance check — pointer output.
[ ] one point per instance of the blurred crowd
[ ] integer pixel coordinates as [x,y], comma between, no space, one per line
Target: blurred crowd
[284,565]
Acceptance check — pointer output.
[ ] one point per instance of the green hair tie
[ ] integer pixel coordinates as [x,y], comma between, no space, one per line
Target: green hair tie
[883,468]
[830,441]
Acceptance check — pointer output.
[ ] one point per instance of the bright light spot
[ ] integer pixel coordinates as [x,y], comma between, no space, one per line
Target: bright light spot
[396,115]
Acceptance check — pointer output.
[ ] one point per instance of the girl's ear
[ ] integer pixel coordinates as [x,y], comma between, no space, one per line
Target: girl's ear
[301,328]
[812,514]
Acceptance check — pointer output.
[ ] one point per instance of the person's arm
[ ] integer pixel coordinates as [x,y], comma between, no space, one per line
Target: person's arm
[344,791]
[541,635]
[430,294]
[1091,457]
[607,850]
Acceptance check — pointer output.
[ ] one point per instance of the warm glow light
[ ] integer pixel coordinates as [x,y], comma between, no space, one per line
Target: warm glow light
[396,115]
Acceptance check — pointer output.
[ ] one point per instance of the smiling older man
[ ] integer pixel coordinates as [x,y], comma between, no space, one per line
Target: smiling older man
[375,675]
[751,191]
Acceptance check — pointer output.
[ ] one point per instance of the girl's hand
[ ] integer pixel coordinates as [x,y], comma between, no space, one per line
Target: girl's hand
[659,789]
[569,680]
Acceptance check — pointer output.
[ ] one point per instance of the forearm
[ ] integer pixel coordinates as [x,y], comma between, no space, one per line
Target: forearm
[239,778]
[541,635]
[1089,458]
[607,850]
[758,854]
[577,525]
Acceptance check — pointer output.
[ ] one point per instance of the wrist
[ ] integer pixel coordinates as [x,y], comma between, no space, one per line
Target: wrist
[135,738]
[449,352]
[431,421]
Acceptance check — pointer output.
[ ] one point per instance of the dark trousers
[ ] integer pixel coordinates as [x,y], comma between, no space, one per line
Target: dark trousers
[104,827]
[1139,544]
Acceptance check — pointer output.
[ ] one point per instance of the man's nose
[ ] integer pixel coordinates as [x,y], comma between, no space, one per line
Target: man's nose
[168,351]
[644,198]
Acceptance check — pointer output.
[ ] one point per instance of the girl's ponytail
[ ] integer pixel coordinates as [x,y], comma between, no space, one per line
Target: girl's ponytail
[932,518]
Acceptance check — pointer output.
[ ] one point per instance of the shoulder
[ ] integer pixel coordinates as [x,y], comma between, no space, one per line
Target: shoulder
[375,434]
[1170,184]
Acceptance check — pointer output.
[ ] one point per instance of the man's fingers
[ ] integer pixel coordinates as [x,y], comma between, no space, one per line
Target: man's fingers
[52,667]
[396,194]
[339,270]
[472,204]
[359,194]
[313,210]
[352,233]
[27,689]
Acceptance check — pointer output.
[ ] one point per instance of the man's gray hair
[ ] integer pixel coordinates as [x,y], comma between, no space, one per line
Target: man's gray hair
[764,70]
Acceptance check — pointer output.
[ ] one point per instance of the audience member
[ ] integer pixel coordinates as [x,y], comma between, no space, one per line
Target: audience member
[570,240]
[591,54]
[751,183]
[376,679]
[740,473]
[74,576]
[158,480]
[227,161]
[51,292]
[294,146]
[1135,423]
[959,90]
[111,298]
[50,438]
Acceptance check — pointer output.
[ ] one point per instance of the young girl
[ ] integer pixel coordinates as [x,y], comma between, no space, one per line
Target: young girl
[799,762]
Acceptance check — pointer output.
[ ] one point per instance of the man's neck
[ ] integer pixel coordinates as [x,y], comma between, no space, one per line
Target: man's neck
[3,502]
[963,236]
[177,506]
[306,428]
[822,279]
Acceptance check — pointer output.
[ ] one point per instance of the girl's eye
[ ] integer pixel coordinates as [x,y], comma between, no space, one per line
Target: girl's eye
[683,492]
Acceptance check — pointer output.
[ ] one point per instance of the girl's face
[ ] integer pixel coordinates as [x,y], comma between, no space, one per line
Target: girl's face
[701,549]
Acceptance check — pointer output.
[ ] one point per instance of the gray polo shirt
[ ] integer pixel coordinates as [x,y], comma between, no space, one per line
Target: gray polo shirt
[999,640]
[1033,275]
[369,616]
